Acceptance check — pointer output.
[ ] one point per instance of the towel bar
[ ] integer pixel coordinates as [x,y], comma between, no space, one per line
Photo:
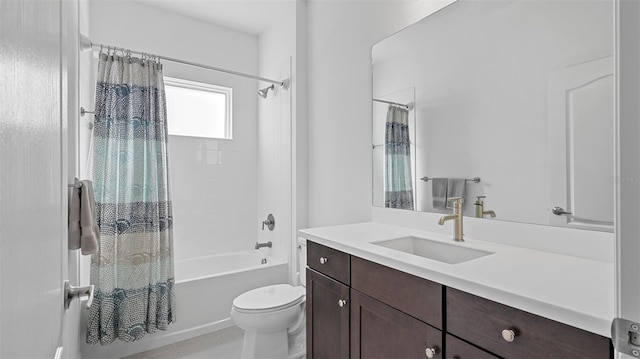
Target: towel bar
[474,179]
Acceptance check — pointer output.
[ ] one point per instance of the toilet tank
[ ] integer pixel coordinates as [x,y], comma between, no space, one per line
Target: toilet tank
[302,260]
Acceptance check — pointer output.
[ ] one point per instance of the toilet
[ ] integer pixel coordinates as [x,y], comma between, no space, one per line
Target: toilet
[273,317]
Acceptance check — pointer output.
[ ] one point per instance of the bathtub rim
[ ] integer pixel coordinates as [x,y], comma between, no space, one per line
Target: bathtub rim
[271,261]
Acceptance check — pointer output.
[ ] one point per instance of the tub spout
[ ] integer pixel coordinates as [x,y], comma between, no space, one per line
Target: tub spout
[260,245]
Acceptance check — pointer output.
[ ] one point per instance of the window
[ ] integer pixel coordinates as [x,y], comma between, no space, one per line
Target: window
[197,109]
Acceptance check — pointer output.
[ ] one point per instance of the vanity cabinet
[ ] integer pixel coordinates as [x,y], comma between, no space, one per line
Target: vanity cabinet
[360,309]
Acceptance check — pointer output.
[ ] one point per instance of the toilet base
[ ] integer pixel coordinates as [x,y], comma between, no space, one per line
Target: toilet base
[298,346]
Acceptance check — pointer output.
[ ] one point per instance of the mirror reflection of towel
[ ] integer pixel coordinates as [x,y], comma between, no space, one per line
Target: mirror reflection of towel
[439,192]
[456,187]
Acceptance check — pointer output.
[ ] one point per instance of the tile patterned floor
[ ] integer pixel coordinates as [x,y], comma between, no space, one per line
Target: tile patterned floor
[222,344]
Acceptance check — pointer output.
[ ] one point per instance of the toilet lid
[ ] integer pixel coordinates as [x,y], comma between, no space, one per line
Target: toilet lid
[269,297]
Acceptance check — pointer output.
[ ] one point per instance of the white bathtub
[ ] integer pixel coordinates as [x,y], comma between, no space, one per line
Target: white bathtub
[205,289]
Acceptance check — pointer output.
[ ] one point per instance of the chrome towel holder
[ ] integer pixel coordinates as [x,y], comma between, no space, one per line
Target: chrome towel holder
[474,179]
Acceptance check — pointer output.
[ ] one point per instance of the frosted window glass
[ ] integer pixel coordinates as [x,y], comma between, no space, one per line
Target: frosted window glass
[197,112]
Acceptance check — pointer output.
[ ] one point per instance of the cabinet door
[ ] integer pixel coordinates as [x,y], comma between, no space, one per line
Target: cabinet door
[380,331]
[327,317]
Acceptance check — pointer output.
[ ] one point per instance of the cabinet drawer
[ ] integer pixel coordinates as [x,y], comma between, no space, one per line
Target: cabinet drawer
[329,261]
[413,295]
[458,349]
[379,331]
[481,321]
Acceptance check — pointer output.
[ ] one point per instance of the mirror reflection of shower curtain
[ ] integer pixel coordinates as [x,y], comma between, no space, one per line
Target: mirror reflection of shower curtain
[398,178]
[133,269]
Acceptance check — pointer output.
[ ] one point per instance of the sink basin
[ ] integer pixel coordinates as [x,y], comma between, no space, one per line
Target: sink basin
[438,251]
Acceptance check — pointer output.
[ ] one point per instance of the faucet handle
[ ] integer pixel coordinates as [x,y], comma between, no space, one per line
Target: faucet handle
[480,197]
[458,199]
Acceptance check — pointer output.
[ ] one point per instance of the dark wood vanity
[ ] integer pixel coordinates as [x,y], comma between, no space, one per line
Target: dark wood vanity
[360,309]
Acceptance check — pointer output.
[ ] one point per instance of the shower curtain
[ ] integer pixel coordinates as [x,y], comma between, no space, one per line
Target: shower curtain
[398,180]
[132,270]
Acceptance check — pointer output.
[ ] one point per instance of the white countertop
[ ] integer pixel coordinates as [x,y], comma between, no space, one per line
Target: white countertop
[571,290]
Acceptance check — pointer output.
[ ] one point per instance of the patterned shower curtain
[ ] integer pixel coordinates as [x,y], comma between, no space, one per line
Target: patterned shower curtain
[133,268]
[398,180]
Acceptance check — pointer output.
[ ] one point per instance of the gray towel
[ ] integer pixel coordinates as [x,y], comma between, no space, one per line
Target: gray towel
[74,219]
[456,187]
[439,192]
[83,227]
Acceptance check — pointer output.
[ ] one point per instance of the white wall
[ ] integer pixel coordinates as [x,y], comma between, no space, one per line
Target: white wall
[340,36]
[214,182]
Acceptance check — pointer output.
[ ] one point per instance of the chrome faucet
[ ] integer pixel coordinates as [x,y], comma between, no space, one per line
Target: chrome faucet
[479,208]
[260,245]
[457,217]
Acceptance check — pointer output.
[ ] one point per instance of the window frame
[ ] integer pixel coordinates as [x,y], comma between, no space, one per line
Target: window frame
[206,87]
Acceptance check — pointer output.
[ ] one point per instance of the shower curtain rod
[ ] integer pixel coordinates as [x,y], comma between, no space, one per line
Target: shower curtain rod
[87,45]
[408,106]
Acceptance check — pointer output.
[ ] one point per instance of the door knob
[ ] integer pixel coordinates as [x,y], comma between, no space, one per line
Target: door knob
[71,292]
[558,211]
[342,303]
[324,260]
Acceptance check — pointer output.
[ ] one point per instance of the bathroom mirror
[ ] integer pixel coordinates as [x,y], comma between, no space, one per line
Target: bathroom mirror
[517,93]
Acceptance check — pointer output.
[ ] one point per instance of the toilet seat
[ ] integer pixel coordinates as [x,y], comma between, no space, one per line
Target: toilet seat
[269,299]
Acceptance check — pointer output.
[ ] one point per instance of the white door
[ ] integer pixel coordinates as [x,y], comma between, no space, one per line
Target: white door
[581,104]
[33,211]
[628,171]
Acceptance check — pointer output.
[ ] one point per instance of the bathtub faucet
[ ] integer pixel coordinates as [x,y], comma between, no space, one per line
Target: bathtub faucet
[260,245]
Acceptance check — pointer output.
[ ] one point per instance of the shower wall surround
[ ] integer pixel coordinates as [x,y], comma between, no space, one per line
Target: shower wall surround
[274,165]
[276,46]
[214,194]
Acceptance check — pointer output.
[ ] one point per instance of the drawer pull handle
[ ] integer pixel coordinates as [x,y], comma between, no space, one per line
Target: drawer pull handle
[509,335]
[431,352]
[342,303]
[324,260]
